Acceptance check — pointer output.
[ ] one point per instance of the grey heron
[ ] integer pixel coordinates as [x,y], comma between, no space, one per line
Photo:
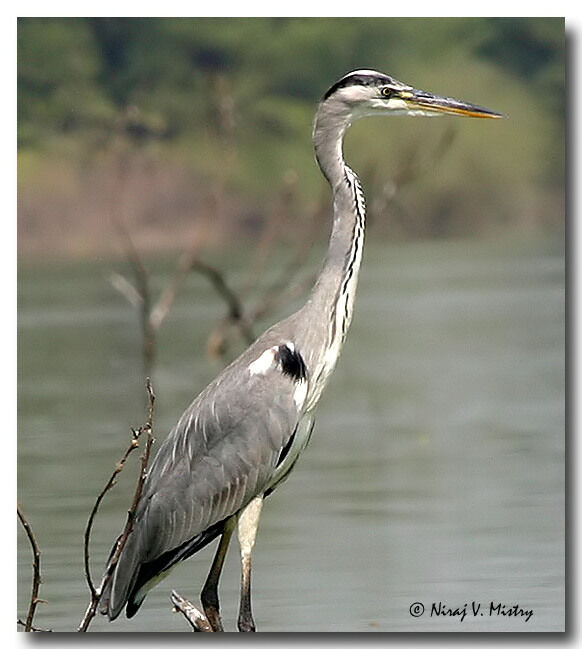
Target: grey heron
[243,434]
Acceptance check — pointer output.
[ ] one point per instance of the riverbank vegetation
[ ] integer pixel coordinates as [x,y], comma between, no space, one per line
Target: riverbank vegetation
[182,128]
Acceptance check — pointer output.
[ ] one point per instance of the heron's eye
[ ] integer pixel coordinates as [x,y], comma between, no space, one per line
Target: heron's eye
[386,92]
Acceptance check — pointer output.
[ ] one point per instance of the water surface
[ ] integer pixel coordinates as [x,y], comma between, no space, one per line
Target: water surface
[435,473]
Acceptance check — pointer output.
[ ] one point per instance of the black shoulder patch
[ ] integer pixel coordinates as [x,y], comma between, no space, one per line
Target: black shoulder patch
[292,364]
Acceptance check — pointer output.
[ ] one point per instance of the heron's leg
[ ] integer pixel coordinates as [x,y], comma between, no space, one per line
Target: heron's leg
[209,595]
[248,523]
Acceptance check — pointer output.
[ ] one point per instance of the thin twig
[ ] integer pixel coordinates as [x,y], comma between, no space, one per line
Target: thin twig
[34,629]
[282,289]
[193,615]
[36,579]
[126,288]
[233,302]
[286,274]
[148,428]
[110,484]
[273,299]
[166,299]
[279,211]
[139,294]
[142,287]
[122,540]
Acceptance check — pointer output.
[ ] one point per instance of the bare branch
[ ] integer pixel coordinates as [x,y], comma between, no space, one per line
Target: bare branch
[147,429]
[273,299]
[109,485]
[122,540]
[193,615]
[35,629]
[126,288]
[278,213]
[284,287]
[36,579]
[166,299]
[233,302]
[142,288]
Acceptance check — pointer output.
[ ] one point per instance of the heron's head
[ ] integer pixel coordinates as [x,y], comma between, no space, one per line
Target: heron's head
[367,92]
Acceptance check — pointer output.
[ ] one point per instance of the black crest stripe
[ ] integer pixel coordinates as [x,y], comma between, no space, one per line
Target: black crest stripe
[359,79]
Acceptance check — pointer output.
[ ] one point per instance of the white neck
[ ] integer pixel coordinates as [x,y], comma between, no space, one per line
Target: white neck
[332,299]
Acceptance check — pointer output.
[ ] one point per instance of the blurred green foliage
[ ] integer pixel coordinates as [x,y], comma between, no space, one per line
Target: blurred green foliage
[189,89]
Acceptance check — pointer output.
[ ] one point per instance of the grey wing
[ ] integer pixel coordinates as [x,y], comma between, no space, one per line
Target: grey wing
[223,451]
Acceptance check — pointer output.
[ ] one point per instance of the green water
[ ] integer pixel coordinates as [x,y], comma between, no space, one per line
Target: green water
[435,473]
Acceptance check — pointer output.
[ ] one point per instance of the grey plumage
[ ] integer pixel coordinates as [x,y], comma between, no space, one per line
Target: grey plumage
[229,440]
[243,434]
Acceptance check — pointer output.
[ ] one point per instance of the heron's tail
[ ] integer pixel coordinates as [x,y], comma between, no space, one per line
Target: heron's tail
[119,588]
[134,577]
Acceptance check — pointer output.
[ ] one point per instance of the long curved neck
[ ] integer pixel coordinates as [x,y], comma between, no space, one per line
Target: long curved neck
[330,307]
[343,258]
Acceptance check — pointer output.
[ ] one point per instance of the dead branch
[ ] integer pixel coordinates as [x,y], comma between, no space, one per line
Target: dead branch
[109,485]
[142,287]
[125,287]
[36,578]
[138,294]
[34,629]
[235,307]
[282,289]
[272,300]
[417,159]
[194,616]
[183,266]
[122,540]
[414,162]
[278,214]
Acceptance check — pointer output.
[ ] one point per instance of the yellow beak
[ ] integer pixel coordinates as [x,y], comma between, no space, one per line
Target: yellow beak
[426,101]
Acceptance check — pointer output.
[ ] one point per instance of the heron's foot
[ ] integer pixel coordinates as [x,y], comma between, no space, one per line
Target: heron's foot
[211,606]
[246,624]
[213,616]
